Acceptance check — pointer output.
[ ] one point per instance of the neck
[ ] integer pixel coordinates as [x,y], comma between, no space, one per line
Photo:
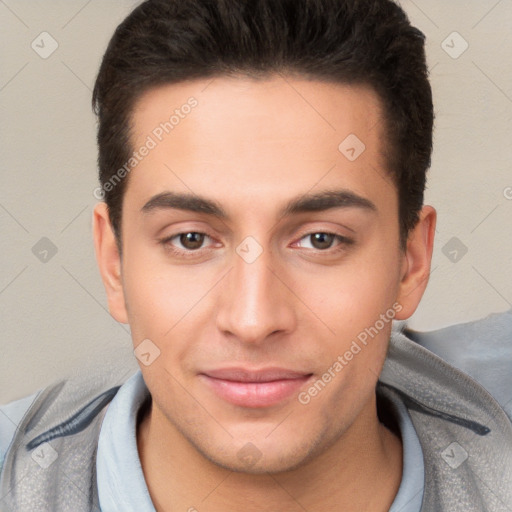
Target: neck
[362,469]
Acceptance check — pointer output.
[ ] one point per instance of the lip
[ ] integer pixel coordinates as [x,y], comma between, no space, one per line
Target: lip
[255,388]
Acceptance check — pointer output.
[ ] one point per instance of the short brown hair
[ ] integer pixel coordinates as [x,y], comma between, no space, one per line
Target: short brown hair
[368,42]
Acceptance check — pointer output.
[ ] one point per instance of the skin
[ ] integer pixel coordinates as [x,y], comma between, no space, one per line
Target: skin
[252,147]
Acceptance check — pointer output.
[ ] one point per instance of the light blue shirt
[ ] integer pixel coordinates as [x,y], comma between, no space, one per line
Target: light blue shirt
[10,417]
[121,484]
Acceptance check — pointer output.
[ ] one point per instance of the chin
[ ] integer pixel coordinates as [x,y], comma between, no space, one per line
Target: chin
[263,457]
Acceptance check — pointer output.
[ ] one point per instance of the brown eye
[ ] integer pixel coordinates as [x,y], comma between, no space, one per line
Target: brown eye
[319,241]
[192,240]
[188,244]
[322,240]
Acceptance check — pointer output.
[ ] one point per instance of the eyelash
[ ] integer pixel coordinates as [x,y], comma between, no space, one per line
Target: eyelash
[343,243]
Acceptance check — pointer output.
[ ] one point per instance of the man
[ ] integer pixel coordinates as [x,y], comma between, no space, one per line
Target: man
[262,166]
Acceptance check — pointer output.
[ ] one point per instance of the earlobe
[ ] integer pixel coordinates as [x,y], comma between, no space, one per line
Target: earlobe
[109,262]
[416,263]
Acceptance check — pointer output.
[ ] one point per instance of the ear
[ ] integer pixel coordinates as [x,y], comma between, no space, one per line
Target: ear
[109,262]
[416,263]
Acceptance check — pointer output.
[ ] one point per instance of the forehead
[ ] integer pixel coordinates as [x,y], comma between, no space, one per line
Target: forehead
[272,136]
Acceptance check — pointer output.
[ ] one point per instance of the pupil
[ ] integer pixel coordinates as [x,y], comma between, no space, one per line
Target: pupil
[192,240]
[322,240]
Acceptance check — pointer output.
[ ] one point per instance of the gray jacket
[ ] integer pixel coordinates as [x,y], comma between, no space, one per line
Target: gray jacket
[465,435]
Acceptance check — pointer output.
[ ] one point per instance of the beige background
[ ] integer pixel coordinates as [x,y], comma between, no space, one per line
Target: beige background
[53,314]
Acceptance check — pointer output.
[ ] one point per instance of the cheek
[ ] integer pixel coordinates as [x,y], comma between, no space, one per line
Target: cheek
[166,303]
[356,303]
[353,295]
[154,300]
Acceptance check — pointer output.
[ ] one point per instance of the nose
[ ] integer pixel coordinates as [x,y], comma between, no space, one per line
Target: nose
[255,301]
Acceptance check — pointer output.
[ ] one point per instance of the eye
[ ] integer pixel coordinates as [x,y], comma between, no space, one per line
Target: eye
[189,241]
[322,241]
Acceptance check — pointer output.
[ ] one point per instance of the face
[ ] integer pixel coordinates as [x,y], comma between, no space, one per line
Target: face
[261,260]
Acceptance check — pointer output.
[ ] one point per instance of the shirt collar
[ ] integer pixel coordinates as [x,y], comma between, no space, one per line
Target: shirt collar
[121,483]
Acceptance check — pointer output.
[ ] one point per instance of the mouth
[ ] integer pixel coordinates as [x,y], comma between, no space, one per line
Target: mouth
[255,388]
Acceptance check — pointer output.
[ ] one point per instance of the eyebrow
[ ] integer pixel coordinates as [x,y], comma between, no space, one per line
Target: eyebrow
[321,201]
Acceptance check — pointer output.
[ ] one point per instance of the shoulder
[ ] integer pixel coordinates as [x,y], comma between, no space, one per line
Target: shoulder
[66,406]
[482,349]
[11,415]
